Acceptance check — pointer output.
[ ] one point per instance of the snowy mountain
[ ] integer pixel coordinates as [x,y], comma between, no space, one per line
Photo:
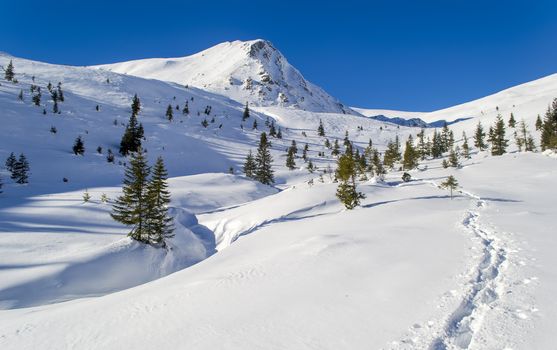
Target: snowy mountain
[252,71]
[255,266]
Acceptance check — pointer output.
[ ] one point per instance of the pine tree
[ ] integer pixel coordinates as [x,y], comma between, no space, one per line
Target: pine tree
[279,134]
[392,154]
[347,192]
[37,99]
[465,147]
[246,115]
[20,172]
[549,128]
[60,92]
[294,147]
[290,162]
[263,161]
[272,130]
[453,158]
[159,223]
[9,72]
[78,146]
[136,105]
[422,145]
[498,141]
[110,156]
[86,196]
[320,129]
[411,155]
[346,140]
[254,124]
[336,149]
[451,183]
[305,152]
[20,96]
[512,121]
[250,166]
[186,109]
[523,138]
[311,168]
[169,114]
[131,140]
[539,123]
[10,162]
[479,138]
[131,207]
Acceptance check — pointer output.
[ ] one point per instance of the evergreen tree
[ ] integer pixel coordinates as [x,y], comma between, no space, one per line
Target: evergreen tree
[311,168]
[250,166]
[254,124]
[437,145]
[336,149]
[549,128]
[9,73]
[279,134]
[136,105]
[60,93]
[110,156]
[305,152]
[246,115]
[186,109]
[346,141]
[539,123]
[131,140]
[290,162]
[159,223]
[78,146]
[20,96]
[169,114]
[86,196]
[465,147]
[20,172]
[422,145]
[479,138]
[392,154]
[497,139]
[411,155]
[294,147]
[446,138]
[320,129]
[37,98]
[346,191]
[523,138]
[512,121]
[131,208]
[272,130]
[453,158]
[451,183]
[10,162]
[263,161]
[205,123]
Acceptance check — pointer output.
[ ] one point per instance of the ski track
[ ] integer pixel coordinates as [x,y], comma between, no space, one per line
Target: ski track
[480,296]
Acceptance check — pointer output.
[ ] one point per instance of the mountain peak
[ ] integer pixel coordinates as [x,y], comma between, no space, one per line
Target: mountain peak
[253,71]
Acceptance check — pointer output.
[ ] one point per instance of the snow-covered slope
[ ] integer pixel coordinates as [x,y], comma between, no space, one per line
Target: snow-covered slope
[255,266]
[251,71]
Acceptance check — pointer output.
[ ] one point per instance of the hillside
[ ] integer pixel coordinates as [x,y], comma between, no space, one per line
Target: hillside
[255,266]
[252,71]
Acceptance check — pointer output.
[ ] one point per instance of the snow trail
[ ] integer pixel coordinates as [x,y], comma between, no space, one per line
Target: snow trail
[485,287]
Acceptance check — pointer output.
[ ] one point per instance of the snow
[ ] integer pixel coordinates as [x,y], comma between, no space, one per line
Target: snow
[253,71]
[255,266]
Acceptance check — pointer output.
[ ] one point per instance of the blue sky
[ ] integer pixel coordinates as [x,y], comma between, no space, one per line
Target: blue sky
[411,55]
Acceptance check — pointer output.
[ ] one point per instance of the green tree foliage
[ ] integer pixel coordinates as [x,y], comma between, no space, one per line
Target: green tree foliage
[131,140]
[250,166]
[159,222]
[320,129]
[346,174]
[290,156]
[20,170]
[9,73]
[78,146]
[263,160]
[523,138]
[392,154]
[136,105]
[497,138]
[246,115]
[512,121]
[169,113]
[131,207]
[411,155]
[549,128]
[451,184]
[465,146]
[479,138]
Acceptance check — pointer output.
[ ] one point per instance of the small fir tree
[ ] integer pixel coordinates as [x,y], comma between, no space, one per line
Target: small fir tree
[263,161]
[78,146]
[451,184]
[250,166]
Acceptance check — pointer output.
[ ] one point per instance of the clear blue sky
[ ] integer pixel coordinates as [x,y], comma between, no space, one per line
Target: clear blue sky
[411,55]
